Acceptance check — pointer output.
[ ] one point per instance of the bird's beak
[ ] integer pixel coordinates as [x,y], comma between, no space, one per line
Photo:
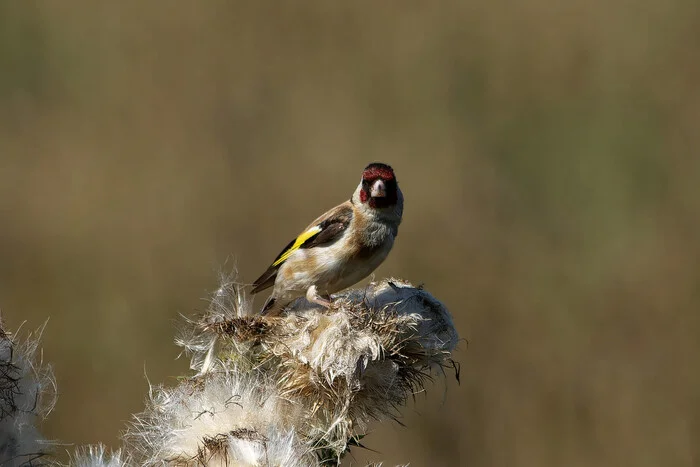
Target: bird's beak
[378,189]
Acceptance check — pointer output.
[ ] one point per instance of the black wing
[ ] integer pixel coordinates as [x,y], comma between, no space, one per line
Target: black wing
[323,231]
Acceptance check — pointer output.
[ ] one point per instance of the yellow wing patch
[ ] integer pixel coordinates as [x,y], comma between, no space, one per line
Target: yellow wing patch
[297,243]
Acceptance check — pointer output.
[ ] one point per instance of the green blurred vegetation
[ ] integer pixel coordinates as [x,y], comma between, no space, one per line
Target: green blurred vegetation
[548,156]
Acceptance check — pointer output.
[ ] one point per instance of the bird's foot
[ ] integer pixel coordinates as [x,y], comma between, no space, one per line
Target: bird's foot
[312,296]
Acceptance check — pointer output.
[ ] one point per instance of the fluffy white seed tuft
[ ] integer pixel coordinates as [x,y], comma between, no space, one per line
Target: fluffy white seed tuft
[313,377]
[298,389]
[27,395]
[98,456]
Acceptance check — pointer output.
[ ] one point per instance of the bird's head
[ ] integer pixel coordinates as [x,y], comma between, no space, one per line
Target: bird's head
[378,188]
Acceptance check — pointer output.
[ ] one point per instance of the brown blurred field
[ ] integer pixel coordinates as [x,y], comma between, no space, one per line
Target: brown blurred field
[547,151]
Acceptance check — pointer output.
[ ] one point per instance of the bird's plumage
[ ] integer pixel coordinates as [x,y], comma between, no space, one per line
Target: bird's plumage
[342,246]
[324,230]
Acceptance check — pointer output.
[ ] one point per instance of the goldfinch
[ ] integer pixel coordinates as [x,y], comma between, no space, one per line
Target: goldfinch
[341,247]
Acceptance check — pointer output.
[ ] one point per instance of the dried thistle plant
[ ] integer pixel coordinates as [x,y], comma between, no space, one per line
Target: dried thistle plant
[297,389]
[27,394]
[293,390]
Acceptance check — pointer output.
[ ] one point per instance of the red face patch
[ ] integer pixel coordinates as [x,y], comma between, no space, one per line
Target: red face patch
[364,196]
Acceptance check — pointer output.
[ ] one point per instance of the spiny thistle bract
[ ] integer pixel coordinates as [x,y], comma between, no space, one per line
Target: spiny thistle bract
[297,389]
[27,394]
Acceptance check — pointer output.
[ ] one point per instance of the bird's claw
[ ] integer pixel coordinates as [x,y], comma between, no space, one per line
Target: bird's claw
[312,296]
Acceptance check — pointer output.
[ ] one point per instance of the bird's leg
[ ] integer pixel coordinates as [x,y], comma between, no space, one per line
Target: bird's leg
[312,296]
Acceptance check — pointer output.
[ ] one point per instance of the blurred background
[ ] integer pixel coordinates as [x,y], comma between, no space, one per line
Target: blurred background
[547,152]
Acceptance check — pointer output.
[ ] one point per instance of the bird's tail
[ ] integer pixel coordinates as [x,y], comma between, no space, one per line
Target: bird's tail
[269,308]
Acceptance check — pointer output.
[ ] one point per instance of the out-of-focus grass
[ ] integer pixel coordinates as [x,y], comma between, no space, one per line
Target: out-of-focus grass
[548,157]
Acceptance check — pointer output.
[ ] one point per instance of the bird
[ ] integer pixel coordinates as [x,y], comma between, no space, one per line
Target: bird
[340,248]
